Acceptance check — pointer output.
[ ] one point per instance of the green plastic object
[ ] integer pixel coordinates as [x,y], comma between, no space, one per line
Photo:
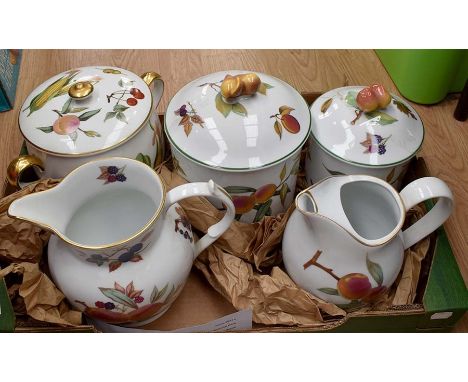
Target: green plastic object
[426,76]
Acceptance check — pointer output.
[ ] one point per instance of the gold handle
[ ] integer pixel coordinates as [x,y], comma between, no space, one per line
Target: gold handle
[18,165]
[156,85]
[241,85]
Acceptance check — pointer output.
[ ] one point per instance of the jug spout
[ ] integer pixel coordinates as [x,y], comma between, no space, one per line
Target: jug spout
[367,208]
[46,209]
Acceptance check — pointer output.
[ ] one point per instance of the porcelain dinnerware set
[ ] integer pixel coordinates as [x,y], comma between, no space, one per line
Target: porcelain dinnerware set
[122,247]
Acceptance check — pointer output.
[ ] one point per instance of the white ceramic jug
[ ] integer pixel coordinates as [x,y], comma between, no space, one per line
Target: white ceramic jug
[344,243]
[122,248]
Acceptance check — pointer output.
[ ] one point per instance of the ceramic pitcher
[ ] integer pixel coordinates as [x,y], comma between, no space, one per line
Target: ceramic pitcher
[122,247]
[344,242]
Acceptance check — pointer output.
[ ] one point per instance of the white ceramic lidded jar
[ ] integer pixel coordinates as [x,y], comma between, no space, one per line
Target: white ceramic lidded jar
[346,141]
[89,113]
[245,131]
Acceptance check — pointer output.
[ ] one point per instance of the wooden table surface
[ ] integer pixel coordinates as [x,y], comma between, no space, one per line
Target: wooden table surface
[446,141]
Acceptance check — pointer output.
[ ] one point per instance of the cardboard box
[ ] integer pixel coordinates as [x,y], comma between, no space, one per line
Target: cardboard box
[442,297]
[10,60]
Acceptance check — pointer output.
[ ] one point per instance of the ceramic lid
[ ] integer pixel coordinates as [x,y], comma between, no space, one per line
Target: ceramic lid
[246,132]
[380,138]
[85,110]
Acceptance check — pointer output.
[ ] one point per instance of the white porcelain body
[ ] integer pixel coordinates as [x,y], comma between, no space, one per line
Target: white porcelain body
[346,141]
[242,143]
[344,243]
[58,167]
[320,165]
[116,265]
[255,179]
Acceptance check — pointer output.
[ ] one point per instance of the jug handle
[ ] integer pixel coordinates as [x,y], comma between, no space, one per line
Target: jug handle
[418,191]
[205,189]
[18,165]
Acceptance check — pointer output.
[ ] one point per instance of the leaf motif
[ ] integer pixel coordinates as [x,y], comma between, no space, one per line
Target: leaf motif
[375,270]
[330,291]
[113,265]
[197,119]
[380,117]
[119,287]
[45,129]
[278,128]
[66,106]
[188,128]
[136,258]
[121,117]
[184,120]
[239,189]
[326,105]
[77,109]
[144,159]
[129,288]
[91,133]
[285,109]
[111,71]
[268,86]
[120,107]
[125,82]
[331,172]
[296,166]
[262,89]
[350,99]
[283,172]
[109,115]
[263,210]
[390,175]
[161,292]
[87,115]
[73,136]
[283,193]
[154,293]
[118,297]
[404,109]
[223,107]
[239,109]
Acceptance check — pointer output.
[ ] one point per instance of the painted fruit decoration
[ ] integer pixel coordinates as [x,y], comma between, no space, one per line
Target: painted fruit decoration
[353,286]
[261,198]
[284,120]
[188,118]
[126,97]
[375,143]
[368,102]
[128,304]
[69,123]
[112,174]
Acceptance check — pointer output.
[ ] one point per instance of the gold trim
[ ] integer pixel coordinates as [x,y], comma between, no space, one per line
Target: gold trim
[153,219]
[88,153]
[18,165]
[397,229]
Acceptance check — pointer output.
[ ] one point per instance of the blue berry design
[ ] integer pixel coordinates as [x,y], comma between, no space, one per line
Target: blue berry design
[382,149]
[121,177]
[112,170]
[112,174]
[109,305]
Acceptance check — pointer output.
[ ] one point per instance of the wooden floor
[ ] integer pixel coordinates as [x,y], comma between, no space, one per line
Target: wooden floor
[446,142]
